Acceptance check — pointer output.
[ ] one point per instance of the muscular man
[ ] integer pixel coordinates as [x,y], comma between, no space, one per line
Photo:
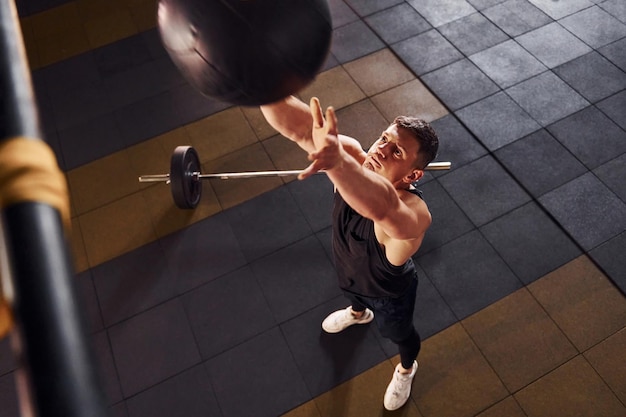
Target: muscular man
[379,221]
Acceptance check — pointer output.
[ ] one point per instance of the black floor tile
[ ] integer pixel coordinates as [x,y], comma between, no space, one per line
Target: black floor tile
[267,223]
[616,53]
[326,360]
[119,410]
[121,56]
[188,394]
[610,257]
[258,378]
[325,238]
[152,347]
[70,74]
[8,396]
[296,278]
[354,40]
[612,174]
[593,76]
[426,52]
[497,121]
[128,285]
[449,221]
[547,98]
[459,84]
[530,242]
[615,108]
[440,12]
[469,274]
[540,163]
[367,7]
[314,197]
[202,252]
[7,357]
[227,311]
[191,105]
[507,63]
[587,209]
[105,369]
[456,144]
[80,105]
[585,23]
[591,136]
[516,17]
[473,33]
[88,301]
[341,13]
[484,190]
[397,23]
[553,45]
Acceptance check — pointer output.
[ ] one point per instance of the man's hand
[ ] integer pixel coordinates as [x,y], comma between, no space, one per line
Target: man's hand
[328,148]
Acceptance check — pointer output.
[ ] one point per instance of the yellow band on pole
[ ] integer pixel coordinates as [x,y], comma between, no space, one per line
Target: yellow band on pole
[29,172]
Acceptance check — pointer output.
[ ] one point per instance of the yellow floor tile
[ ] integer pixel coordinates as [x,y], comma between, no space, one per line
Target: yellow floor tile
[170,140]
[108,28]
[363,396]
[308,409]
[102,181]
[505,408]
[56,20]
[116,229]
[148,158]
[378,72]
[257,122]
[93,9]
[362,121]
[285,155]
[573,390]
[582,301]
[60,46]
[235,191]
[144,14]
[454,378]
[77,247]
[608,359]
[410,99]
[334,88]
[220,134]
[519,339]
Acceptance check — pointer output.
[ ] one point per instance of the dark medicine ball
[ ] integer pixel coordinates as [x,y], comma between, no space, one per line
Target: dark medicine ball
[246,52]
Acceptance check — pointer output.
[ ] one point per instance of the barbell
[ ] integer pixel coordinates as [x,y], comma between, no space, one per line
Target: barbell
[185,176]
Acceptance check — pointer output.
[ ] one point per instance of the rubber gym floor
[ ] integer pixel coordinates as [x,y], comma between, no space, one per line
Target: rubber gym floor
[216,311]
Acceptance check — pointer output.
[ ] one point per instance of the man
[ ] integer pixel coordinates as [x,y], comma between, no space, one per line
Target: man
[379,221]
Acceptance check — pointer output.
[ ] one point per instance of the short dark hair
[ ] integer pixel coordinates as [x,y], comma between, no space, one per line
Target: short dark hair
[424,134]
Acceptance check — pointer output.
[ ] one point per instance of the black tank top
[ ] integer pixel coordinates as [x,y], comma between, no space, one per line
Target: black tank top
[360,261]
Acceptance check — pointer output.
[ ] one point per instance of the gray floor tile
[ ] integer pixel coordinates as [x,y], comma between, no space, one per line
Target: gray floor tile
[530,242]
[547,98]
[595,27]
[153,346]
[105,367]
[484,4]
[615,108]
[516,17]
[612,174]
[272,383]
[540,163]
[367,7]
[559,9]
[507,63]
[575,132]
[616,53]
[296,278]
[497,121]
[202,252]
[188,394]
[326,360]
[456,144]
[588,210]
[553,45]
[127,285]
[397,23]
[614,7]
[484,190]
[341,13]
[610,257]
[459,84]
[593,76]
[469,274]
[449,221]
[426,52]
[473,33]
[354,40]
[267,223]
[227,311]
[440,12]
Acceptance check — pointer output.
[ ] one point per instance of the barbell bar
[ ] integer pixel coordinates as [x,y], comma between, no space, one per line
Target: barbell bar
[185,176]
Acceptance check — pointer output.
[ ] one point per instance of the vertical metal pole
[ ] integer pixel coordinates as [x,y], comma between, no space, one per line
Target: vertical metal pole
[56,362]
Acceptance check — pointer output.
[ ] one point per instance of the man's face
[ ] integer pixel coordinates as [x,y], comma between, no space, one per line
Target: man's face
[393,155]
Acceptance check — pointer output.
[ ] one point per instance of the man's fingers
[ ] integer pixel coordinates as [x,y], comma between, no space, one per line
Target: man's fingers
[308,171]
[331,118]
[316,112]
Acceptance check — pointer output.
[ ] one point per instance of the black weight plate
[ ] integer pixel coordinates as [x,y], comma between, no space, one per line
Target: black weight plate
[186,188]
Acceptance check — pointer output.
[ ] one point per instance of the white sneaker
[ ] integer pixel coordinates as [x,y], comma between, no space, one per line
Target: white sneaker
[399,388]
[341,319]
